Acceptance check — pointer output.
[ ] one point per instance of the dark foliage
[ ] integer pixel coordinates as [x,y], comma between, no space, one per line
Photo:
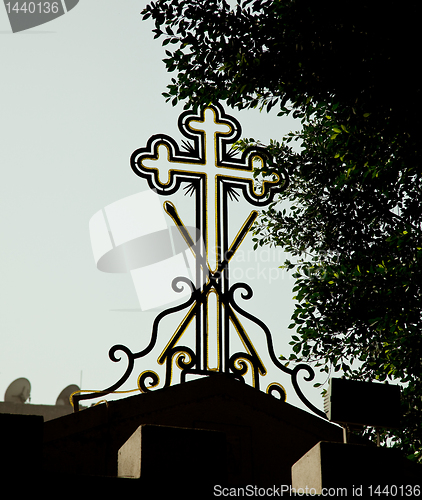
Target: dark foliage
[350,72]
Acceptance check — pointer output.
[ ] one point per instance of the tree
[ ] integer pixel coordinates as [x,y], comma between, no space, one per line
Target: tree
[354,218]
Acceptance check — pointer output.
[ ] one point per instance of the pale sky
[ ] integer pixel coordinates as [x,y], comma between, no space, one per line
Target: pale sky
[78,96]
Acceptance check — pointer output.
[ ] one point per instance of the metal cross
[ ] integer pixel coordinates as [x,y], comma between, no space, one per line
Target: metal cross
[165,167]
[214,171]
[208,168]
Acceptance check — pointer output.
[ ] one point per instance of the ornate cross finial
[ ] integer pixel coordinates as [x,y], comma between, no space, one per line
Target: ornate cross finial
[207,161]
[210,170]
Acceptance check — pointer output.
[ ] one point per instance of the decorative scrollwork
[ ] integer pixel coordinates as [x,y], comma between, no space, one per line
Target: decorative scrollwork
[279,389]
[181,358]
[212,173]
[148,374]
[182,279]
[239,366]
[185,360]
[247,294]
[309,378]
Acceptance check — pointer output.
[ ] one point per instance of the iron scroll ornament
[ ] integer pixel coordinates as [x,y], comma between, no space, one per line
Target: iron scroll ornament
[214,174]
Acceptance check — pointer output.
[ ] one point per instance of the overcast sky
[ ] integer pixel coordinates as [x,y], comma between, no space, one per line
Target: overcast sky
[78,95]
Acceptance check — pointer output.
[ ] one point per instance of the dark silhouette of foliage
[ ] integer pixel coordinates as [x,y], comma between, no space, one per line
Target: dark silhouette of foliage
[353,222]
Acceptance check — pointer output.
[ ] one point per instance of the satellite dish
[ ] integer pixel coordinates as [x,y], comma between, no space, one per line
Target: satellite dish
[18,391]
[64,397]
